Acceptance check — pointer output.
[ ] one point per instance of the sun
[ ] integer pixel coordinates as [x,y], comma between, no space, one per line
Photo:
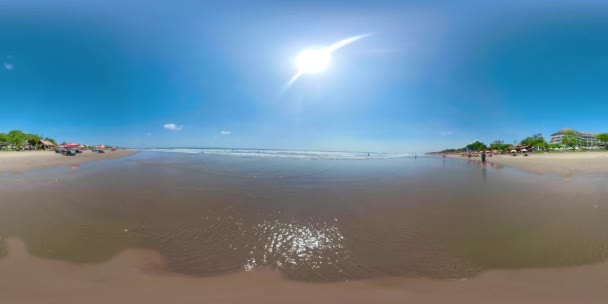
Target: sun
[313,61]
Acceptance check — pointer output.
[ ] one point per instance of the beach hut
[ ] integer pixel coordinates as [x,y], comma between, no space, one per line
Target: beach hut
[46,145]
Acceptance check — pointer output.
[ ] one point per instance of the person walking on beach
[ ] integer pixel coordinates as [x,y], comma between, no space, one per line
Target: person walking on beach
[483,156]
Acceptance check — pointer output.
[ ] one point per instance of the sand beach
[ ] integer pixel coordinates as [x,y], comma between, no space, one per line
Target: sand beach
[140,276]
[564,164]
[28,160]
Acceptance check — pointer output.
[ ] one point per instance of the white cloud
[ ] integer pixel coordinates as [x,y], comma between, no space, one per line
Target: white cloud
[447,133]
[224,132]
[172,127]
[9,66]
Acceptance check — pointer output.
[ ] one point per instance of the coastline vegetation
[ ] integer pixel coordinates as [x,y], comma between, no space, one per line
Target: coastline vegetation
[17,140]
[570,143]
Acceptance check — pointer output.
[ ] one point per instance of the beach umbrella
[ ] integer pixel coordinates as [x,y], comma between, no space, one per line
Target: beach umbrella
[524,150]
[81,146]
[495,151]
[101,147]
[513,151]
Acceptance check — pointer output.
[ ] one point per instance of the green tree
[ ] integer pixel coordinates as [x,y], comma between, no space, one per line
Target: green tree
[603,137]
[32,139]
[3,138]
[17,138]
[537,140]
[452,150]
[476,146]
[496,145]
[570,138]
[499,145]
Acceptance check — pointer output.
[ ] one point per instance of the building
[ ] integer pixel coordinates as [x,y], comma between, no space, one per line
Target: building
[585,139]
[45,144]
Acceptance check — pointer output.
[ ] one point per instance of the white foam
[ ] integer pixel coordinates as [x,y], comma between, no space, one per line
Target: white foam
[253,153]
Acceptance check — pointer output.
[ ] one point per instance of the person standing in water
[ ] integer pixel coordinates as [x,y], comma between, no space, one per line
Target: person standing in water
[483,156]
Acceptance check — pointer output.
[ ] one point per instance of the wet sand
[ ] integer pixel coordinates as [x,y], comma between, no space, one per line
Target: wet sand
[141,276]
[565,164]
[165,227]
[29,160]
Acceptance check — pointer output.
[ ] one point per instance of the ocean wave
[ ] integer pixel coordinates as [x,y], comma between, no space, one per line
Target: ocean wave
[295,154]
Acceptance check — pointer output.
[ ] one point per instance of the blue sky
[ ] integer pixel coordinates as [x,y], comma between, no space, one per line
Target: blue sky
[431,75]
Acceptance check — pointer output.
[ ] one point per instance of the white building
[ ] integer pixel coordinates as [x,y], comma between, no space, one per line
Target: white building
[585,139]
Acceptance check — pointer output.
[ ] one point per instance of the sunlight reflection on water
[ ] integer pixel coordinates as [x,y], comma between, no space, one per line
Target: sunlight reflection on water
[282,245]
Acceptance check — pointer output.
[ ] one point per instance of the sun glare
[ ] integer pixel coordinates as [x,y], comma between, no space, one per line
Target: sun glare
[313,60]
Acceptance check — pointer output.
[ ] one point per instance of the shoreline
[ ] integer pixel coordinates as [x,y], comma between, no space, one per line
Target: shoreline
[141,276]
[563,164]
[19,162]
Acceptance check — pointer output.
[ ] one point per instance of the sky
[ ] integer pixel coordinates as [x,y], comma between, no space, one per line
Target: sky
[429,75]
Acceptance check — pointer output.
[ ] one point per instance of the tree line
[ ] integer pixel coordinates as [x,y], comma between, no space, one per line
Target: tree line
[19,139]
[569,139]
